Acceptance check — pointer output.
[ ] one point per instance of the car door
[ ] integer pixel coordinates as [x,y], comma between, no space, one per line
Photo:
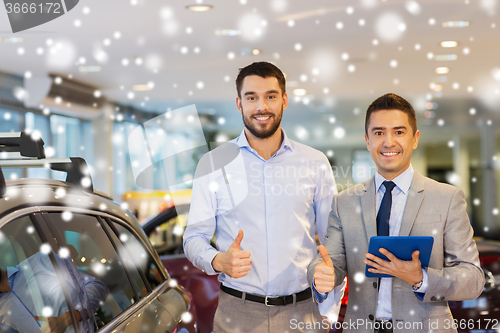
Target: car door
[132,304]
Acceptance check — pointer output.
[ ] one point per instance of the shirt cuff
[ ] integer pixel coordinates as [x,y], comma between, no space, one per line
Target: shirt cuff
[420,292]
[320,297]
[208,257]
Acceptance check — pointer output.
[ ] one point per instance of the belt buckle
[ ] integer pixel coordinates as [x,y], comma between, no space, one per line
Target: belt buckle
[271,297]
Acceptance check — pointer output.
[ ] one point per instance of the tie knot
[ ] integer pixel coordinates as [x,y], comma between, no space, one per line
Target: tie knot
[389,185]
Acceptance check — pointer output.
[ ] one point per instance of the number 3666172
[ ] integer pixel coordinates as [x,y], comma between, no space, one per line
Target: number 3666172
[25,8]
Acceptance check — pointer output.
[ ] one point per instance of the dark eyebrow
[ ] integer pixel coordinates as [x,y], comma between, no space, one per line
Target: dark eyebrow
[383,128]
[273,91]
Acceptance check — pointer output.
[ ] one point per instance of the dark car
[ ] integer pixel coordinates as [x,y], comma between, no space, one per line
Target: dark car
[165,233]
[74,258]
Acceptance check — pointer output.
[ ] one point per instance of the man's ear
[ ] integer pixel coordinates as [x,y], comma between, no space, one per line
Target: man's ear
[238,105]
[367,144]
[285,101]
[416,136]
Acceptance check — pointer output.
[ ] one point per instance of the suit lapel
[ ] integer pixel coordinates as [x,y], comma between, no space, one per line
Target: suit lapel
[413,203]
[368,208]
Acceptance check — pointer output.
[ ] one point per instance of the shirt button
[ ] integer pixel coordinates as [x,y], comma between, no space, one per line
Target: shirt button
[371,317]
[375,285]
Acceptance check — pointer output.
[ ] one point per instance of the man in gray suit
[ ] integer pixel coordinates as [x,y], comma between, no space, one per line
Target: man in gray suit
[398,201]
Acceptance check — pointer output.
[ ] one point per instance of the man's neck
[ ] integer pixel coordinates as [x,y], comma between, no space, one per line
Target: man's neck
[266,148]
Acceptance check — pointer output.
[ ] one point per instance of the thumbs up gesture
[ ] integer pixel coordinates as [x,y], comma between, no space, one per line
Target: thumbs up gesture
[235,262]
[324,275]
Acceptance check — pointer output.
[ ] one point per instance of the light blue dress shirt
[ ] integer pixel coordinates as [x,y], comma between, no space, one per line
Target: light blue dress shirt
[36,285]
[278,203]
[15,317]
[399,198]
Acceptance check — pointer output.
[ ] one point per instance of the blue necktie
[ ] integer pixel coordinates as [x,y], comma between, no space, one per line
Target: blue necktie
[384,212]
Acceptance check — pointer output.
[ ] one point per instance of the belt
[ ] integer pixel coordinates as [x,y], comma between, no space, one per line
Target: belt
[383,326]
[269,300]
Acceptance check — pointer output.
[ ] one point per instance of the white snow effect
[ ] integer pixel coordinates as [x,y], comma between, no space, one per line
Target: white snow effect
[61,55]
[98,268]
[67,216]
[124,238]
[279,6]
[390,27]
[297,47]
[476,202]
[172,283]
[495,211]
[413,7]
[495,73]
[251,26]
[45,248]
[64,252]
[47,311]
[187,317]
[393,63]
[339,132]
[359,277]
[178,230]
[86,181]
[369,3]
[100,55]
[153,61]
[489,6]
[200,85]
[301,133]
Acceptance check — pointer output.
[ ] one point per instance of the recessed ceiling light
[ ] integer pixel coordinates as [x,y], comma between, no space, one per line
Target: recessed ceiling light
[199,8]
[455,24]
[12,39]
[449,43]
[228,32]
[437,87]
[445,57]
[442,70]
[141,87]
[299,92]
[255,51]
[89,69]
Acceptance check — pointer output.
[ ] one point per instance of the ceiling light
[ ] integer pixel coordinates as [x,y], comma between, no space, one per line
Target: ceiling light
[449,43]
[228,32]
[445,57]
[455,24]
[299,92]
[442,70]
[199,8]
[12,39]
[141,87]
[89,69]
[255,51]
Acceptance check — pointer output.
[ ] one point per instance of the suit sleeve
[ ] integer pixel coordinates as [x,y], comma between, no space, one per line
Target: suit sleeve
[334,243]
[461,277]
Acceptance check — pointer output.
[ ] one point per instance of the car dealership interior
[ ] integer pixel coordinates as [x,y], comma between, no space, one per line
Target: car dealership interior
[90,80]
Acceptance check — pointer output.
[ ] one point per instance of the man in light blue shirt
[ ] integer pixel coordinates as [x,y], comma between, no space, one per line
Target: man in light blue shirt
[265,204]
[398,201]
[34,287]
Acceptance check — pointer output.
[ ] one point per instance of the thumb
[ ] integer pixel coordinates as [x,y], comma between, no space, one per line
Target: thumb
[326,258]
[40,318]
[414,255]
[237,241]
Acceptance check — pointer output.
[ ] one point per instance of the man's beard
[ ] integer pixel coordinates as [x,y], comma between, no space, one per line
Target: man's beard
[255,128]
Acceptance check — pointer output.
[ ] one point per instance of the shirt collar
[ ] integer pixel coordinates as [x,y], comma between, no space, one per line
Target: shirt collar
[403,181]
[243,142]
[11,271]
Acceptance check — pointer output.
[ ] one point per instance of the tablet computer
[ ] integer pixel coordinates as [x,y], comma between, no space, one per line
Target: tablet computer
[402,247]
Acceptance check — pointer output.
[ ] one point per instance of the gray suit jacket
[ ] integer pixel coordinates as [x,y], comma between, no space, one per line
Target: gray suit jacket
[432,209]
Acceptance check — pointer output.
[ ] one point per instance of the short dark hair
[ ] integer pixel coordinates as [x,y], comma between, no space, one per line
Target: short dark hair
[392,102]
[263,69]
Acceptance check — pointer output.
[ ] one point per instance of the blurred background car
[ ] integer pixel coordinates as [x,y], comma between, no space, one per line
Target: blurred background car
[64,233]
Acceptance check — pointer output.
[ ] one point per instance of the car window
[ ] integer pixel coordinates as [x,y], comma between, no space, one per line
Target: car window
[95,257]
[167,237]
[140,255]
[31,292]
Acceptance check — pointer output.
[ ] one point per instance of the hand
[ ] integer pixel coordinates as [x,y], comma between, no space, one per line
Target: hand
[324,275]
[55,324]
[235,262]
[408,271]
